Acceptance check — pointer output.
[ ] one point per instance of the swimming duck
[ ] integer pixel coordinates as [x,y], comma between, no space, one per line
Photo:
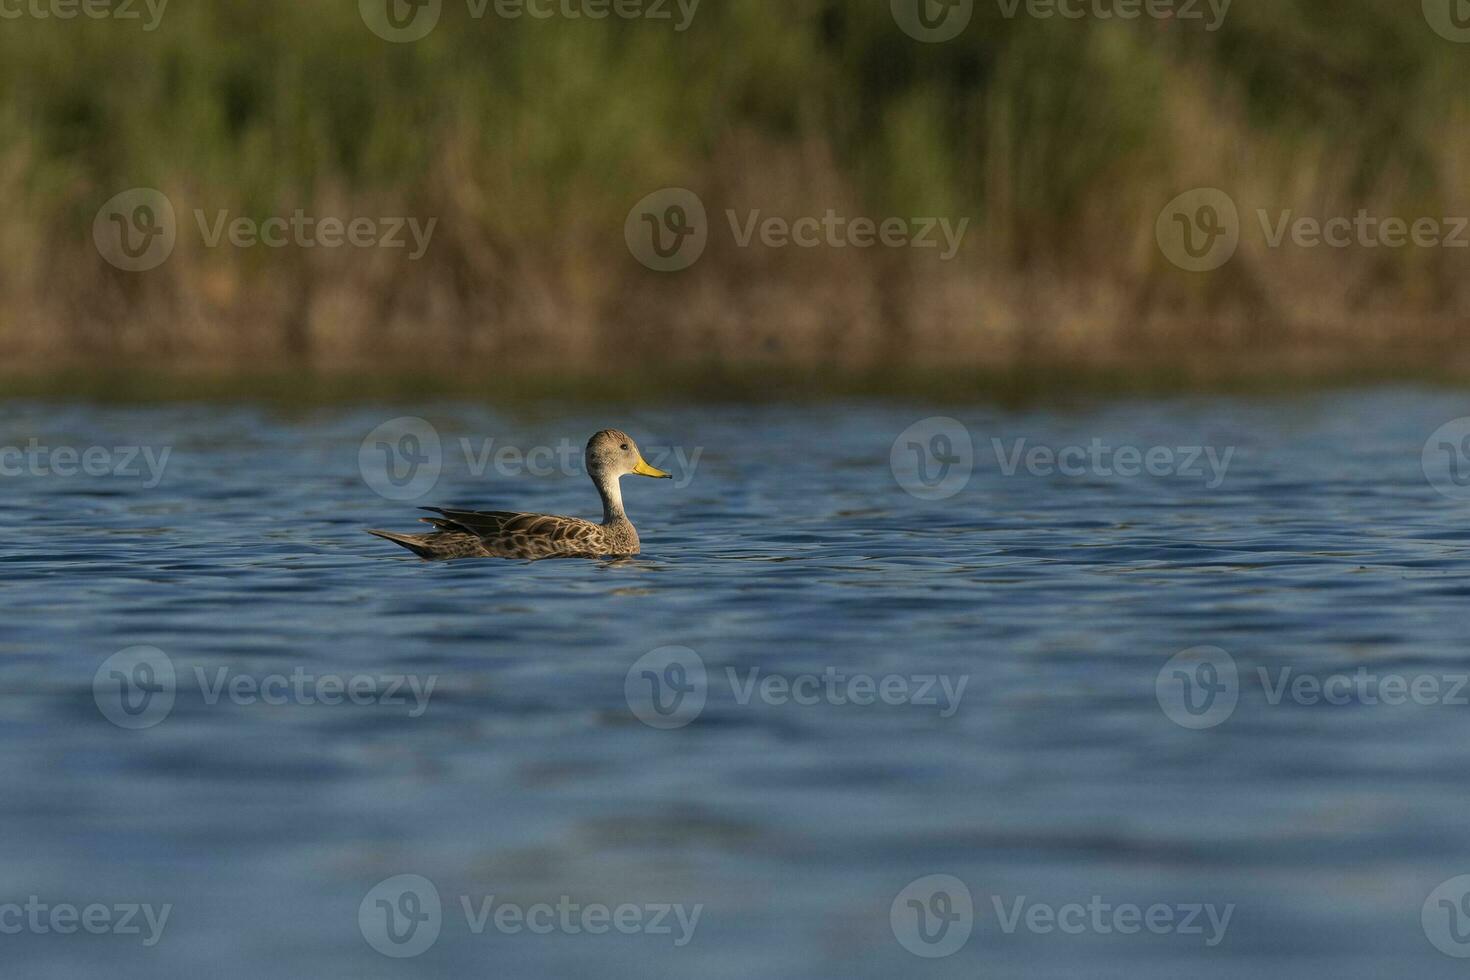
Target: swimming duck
[611,454]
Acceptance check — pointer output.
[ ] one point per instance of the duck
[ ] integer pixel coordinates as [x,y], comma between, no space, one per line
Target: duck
[611,454]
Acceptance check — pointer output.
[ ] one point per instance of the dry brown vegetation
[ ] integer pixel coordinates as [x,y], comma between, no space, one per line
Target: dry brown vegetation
[1060,141]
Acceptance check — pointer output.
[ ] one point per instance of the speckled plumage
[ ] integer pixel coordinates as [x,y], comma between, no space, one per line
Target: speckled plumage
[611,453]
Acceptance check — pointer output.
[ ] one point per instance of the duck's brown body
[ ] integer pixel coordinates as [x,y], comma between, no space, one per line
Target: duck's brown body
[503,534]
[507,534]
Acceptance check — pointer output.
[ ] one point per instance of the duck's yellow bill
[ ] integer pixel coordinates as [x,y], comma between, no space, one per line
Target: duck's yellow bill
[643,469]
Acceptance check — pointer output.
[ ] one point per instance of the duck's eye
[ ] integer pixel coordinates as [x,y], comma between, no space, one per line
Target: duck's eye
[625,447]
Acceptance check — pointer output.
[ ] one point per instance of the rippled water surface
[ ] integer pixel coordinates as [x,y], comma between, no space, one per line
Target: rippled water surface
[787,547]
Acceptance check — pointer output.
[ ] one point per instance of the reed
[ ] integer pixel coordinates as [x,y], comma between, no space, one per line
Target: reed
[527,141]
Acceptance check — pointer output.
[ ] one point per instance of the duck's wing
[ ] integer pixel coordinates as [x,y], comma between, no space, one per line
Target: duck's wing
[521,532]
[482,522]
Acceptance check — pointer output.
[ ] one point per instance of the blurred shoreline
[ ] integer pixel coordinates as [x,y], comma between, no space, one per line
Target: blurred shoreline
[1042,161]
[1263,375]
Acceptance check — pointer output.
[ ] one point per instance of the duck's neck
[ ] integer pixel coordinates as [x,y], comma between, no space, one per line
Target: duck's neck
[612,498]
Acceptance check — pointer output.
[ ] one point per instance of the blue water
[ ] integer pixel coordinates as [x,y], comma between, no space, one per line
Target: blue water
[786,545]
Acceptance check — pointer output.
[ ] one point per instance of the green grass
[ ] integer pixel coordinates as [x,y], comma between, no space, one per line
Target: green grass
[529,141]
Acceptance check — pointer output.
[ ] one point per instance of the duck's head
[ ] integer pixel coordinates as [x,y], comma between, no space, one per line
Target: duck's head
[612,453]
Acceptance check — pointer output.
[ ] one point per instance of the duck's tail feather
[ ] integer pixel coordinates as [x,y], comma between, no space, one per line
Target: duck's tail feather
[413,542]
